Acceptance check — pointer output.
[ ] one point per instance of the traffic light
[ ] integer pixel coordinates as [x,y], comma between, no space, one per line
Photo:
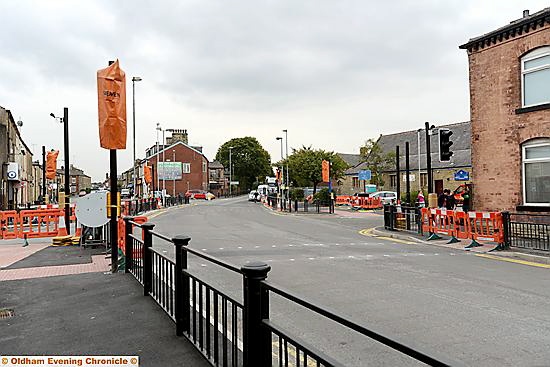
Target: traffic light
[445,143]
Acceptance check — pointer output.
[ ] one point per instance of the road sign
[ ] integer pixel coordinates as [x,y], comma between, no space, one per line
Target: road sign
[365,175]
[462,175]
[234,183]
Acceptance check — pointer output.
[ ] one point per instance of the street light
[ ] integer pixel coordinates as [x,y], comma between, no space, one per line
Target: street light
[287,181]
[174,160]
[163,168]
[65,121]
[429,156]
[134,80]
[230,177]
[280,138]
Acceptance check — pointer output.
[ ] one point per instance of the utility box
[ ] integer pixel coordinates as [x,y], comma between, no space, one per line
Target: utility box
[432,200]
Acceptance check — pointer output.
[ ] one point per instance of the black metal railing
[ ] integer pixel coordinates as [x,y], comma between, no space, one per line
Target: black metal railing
[527,231]
[298,206]
[403,218]
[229,332]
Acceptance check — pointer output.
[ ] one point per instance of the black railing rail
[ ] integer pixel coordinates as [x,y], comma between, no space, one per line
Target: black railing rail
[527,231]
[405,348]
[216,323]
[403,218]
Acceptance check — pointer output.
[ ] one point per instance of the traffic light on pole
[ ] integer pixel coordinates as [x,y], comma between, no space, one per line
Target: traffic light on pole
[445,144]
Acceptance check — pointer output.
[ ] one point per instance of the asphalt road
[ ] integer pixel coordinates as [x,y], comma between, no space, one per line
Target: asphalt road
[478,311]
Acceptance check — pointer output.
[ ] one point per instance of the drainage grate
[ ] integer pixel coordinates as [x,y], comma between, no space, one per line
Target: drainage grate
[6,313]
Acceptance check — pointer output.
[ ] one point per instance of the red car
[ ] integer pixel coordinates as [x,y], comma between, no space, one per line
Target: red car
[196,194]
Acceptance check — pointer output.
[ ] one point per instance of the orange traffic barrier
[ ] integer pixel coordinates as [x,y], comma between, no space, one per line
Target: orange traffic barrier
[343,200]
[39,223]
[365,203]
[9,224]
[438,221]
[486,226]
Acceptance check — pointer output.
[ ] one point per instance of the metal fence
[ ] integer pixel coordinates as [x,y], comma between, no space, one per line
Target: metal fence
[297,206]
[226,331]
[527,231]
[403,218]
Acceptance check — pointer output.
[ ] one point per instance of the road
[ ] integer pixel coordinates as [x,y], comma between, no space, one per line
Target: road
[475,310]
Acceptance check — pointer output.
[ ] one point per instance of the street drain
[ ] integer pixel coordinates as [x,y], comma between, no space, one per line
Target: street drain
[6,313]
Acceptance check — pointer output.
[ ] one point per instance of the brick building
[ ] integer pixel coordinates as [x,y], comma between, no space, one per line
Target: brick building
[178,157]
[510,114]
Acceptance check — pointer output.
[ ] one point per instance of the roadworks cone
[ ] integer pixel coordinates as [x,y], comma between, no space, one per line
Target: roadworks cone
[62,231]
[78,232]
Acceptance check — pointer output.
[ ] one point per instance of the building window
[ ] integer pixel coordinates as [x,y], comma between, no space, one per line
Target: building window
[204,167]
[186,167]
[393,180]
[73,180]
[423,179]
[536,172]
[535,77]
[355,181]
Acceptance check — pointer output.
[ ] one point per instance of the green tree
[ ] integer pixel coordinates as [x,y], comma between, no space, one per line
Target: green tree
[305,166]
[377,161]
[251,162]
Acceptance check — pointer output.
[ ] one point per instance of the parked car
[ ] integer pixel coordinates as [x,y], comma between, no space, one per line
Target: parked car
[385,196]
[195,194]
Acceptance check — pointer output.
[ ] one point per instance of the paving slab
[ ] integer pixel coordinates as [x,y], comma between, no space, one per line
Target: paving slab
[90,314]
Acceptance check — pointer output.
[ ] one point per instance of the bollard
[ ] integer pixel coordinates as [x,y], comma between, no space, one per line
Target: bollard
[147,263]
[128,244]
[256,338]
[181,284]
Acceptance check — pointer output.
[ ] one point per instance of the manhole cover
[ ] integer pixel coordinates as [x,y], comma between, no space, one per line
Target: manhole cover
[6,313]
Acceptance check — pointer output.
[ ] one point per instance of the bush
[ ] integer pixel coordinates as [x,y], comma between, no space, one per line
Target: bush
[322,196]
[297,194]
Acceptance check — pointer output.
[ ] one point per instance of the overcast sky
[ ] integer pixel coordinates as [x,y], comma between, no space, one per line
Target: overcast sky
[334,73]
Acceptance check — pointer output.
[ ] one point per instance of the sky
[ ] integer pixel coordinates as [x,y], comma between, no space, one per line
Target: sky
[333,73]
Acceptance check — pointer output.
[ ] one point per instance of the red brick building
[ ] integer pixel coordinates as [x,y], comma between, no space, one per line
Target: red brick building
[178,157]
[510,115]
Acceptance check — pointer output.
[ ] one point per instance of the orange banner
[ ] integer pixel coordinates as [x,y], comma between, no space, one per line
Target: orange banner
[111,97]
[51,164]
[147,174]
[326,171]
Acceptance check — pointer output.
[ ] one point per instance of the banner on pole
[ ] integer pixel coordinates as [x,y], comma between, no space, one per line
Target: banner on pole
[326,171]
[51,164]
[111,97]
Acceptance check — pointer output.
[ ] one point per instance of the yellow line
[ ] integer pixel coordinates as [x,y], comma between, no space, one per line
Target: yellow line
[292,353]
[368,232]
[523,262]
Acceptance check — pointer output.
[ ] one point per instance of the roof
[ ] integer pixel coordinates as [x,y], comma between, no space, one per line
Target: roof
[215,165]
[515,28]
[461,148]
[351,159]
[167,147]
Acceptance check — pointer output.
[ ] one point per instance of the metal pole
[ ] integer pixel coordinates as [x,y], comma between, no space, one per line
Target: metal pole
[407,169]
[67,172]
[113,204]
[174,160]
[419,174]
[428,159]
[157,159]
[44,174]
[398,174]
[134,132]
[230,177]
[287,181]
[163,171]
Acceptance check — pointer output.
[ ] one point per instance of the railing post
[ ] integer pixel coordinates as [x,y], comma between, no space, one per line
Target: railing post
[418,218]
[392,217]
[306,203]
[181,285]
[128,242]
[506,228]
[256,338]
[147,263]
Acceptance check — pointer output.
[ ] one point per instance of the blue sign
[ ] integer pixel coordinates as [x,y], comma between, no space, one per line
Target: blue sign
[462,175]
[364,175]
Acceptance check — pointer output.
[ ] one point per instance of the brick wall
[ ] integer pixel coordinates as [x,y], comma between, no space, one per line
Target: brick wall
[497,131]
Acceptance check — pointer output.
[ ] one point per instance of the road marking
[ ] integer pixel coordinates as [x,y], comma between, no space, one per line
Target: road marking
[221,248]
[386,255]
[292,259]
[517,261]
[240,247]
[274,246]
[311,258]
[368,232]
[256,246]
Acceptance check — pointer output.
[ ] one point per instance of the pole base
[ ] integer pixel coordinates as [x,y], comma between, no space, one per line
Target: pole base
[473,244]
[434,236]
[453,240]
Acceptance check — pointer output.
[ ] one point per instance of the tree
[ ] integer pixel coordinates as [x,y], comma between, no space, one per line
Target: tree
[377,161]
[305,166]
[249,159]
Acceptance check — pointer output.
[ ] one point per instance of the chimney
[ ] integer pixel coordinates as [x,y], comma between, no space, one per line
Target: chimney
[179,135]
[526,13]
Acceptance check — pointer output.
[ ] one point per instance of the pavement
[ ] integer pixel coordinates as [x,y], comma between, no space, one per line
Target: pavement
[90,314]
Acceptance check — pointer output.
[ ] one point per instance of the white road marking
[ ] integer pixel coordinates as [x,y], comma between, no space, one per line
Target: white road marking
[311,258]
[204,249]
[332,257]
[240,247]
[421,255]
[292,259]
[203,265]
[256,246]
[386,255]
[221,248]
[274,246]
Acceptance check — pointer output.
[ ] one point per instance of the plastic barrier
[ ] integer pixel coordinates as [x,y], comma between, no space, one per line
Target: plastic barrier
[485,226]
[365,203]
[9,224]
[39,223]
[343,200]
[440,221]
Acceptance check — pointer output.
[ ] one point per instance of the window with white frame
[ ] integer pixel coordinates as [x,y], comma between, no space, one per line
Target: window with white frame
[204,167]
[186,167]
[536,172]
[535,77]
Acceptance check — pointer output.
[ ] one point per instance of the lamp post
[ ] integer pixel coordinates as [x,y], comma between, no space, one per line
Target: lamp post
[280,138]
[287,181]
[65,121]
[134,80]
[419,174]
[159,128]
[429,156]
[230,175]
[174,160]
